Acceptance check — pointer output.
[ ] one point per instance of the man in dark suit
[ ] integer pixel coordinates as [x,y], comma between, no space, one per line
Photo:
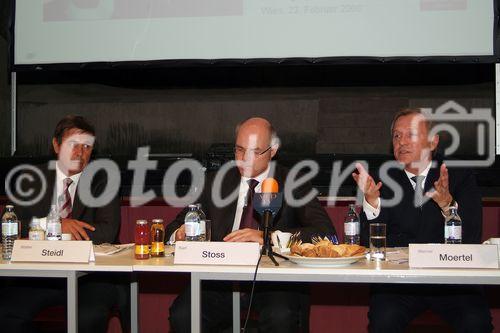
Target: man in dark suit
[277,304]
[73,142]
[429,189]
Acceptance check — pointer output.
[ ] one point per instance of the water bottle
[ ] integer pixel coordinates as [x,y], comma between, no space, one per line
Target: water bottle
[54,228]
[203,227]
[351,226]
[192,223]
[10,231]
[36,231]
[453,228]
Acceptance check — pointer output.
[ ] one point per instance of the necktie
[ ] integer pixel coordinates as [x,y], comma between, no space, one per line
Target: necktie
[65,206]
[419,192]
[247,220]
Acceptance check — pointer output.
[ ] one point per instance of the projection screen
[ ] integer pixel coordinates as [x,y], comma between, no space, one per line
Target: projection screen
[81,31]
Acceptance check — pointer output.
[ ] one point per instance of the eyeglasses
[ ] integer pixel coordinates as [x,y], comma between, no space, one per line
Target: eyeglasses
[256,152]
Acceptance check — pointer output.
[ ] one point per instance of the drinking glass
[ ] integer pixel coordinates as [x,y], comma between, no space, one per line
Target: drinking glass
[208,230]
[377,241]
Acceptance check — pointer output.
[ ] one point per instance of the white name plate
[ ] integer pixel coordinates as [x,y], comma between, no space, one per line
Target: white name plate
[216,253]
[53,251]
[453,256]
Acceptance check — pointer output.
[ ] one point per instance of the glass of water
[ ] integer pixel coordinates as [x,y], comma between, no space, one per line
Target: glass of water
[377,241]
[208,230]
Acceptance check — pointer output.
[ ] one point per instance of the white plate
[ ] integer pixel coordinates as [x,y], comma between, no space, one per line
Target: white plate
[324,262]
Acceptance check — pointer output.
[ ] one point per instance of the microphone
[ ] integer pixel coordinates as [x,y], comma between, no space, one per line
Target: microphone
[270,199]
[268,203]
[270,185]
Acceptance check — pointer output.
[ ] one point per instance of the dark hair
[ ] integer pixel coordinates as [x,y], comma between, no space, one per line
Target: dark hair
[72,122]
[411,111]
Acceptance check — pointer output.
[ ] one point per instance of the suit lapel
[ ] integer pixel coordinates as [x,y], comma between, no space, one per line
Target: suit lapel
[279,175]
[412,215]
[423,223]
[49,197]
[225,219]
[408,190]
[432,176]
[78,207]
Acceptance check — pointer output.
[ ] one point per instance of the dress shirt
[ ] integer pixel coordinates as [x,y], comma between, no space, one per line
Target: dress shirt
[60,177]
[243,193]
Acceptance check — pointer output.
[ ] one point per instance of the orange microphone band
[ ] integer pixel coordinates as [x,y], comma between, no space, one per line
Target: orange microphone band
[269,185]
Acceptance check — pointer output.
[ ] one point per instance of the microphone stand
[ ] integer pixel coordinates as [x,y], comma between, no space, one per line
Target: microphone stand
[267,249]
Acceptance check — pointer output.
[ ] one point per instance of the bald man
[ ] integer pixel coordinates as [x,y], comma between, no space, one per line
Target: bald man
[278,304]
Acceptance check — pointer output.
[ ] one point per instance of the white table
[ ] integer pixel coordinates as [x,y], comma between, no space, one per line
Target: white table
[121,262]
[361,272]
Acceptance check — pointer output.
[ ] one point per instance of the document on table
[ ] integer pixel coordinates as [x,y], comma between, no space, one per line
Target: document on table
[107,249]
[397,255]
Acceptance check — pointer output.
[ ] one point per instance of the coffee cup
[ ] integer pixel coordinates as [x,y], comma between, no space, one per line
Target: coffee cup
[494,241]
[280,239]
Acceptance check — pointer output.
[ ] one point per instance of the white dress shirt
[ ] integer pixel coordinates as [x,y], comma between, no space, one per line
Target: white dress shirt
[242,196]
[60,177]
[59,188]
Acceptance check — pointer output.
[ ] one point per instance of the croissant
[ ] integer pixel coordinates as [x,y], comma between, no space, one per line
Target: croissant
[341,249]
[308,250]
[354,250]
[326,251]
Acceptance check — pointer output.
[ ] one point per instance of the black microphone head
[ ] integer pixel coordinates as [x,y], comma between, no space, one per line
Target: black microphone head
[267,202]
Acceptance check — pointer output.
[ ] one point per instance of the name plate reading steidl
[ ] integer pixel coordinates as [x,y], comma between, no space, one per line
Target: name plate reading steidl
[52,251]
[216,253]
[453,256]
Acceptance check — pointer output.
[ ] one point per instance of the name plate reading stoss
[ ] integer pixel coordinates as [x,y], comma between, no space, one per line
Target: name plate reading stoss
[453,256]
[216,253]
[52,251]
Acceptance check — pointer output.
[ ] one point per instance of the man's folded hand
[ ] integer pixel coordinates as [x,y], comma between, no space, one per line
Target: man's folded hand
[245,235]
[76,228]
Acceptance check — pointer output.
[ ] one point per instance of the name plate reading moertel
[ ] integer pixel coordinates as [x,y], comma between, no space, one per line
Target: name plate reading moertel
[453,256]
[52,251]
[216,253]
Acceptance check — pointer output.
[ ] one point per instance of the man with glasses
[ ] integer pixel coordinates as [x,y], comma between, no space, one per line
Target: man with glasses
[281,307]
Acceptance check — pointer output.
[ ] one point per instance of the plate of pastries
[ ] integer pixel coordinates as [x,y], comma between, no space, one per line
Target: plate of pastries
[323,252]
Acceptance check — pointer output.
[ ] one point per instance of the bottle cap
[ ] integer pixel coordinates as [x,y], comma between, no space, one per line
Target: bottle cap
[35,221]
[157,220]
[66,237]
[141,222]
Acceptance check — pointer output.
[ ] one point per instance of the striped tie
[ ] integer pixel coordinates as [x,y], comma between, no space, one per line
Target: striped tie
[65,200]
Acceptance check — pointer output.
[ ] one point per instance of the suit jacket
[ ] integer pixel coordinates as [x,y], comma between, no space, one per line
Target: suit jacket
[105,219]
[310,219]
[409,224]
